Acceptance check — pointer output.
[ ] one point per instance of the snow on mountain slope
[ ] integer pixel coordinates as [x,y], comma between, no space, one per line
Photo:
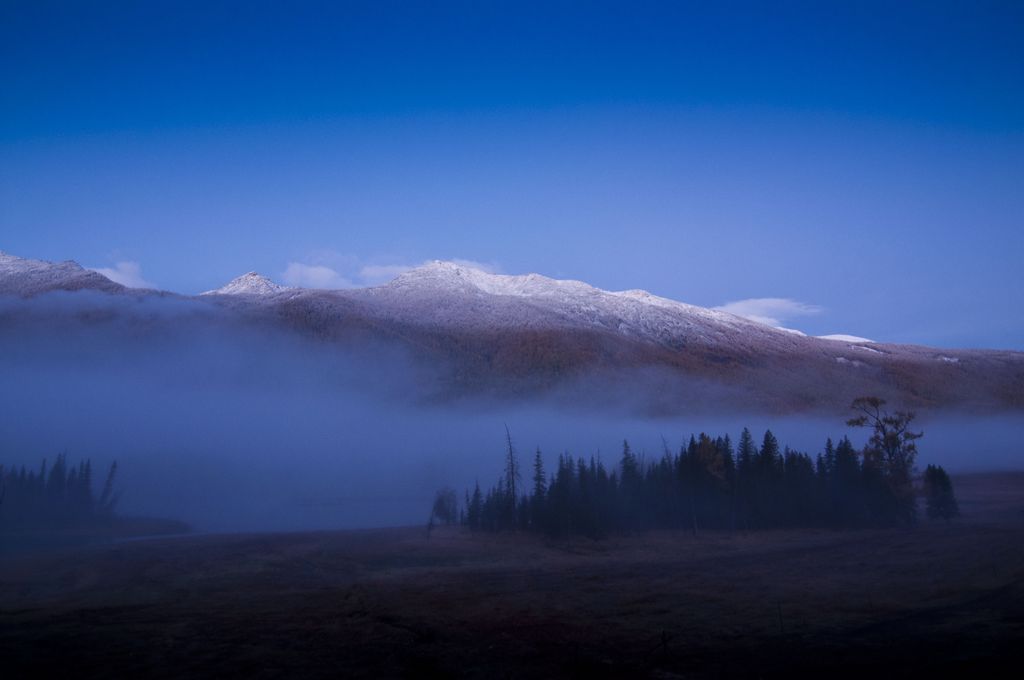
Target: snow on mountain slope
[452,295]
[449,295]
[21,276]
[508,335]
[248,284]
[519,334]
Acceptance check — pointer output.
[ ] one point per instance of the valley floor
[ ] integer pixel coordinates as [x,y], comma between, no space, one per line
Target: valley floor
[387,603]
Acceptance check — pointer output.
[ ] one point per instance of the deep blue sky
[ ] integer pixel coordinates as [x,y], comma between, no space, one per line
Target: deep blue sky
[867,159]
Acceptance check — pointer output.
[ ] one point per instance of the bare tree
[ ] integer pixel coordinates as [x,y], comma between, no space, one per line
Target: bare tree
[512,476]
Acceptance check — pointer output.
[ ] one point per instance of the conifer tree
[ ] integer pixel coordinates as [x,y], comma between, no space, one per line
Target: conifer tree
[539,480]
[629,487]
[745,456]
[769,467]
[474,508]
[446,506]
[938,493]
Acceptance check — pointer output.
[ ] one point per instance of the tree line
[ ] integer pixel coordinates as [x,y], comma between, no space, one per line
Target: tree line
[55,497]
[711,484]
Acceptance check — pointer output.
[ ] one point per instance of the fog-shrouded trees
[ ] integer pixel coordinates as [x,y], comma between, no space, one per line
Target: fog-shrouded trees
[888,459]
[446,507]
[706,484]
[940,503]
[55,497]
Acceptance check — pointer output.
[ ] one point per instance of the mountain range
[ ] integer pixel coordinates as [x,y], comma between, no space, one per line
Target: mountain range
[501,336]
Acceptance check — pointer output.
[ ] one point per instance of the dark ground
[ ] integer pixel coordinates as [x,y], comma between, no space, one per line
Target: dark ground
[934,599]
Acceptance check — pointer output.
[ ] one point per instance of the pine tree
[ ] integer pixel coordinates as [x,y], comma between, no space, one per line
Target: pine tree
[474,510]
[768,458]
[938,494]
[629,487]
[847,490]
[540,490]
[745,465]
[539,480]
[769,468]
[703,486]
[446,506]
[85,498]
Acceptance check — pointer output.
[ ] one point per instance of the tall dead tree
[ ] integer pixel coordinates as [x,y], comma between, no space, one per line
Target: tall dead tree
[512,477]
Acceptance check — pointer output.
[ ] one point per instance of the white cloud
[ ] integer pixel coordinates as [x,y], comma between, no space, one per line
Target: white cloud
[314,276]
[126,273]
[375,274]
[489,267]
[843,337]
[770,311]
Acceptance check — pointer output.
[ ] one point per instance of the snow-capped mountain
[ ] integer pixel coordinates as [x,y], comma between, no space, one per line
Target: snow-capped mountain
[445,295]
[506,335]
[248,284]
[539,300]
[20,276]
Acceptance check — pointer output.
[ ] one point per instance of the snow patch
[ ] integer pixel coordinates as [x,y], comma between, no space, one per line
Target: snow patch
[248,284]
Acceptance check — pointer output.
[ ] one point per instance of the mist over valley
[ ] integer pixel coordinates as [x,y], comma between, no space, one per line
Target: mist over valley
[302,409]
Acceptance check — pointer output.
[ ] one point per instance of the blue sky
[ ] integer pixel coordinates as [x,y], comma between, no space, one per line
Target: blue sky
[864,161]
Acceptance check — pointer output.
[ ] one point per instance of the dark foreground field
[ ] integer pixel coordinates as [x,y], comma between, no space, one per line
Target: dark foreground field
[395,603]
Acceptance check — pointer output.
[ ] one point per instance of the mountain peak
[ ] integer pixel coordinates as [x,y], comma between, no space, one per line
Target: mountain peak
[12,263]
[447,265]
[456,275]
[22,276]
[443,269]
[250,283]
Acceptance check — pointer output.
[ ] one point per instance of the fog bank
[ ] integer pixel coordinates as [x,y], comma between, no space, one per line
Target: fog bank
[232,427]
